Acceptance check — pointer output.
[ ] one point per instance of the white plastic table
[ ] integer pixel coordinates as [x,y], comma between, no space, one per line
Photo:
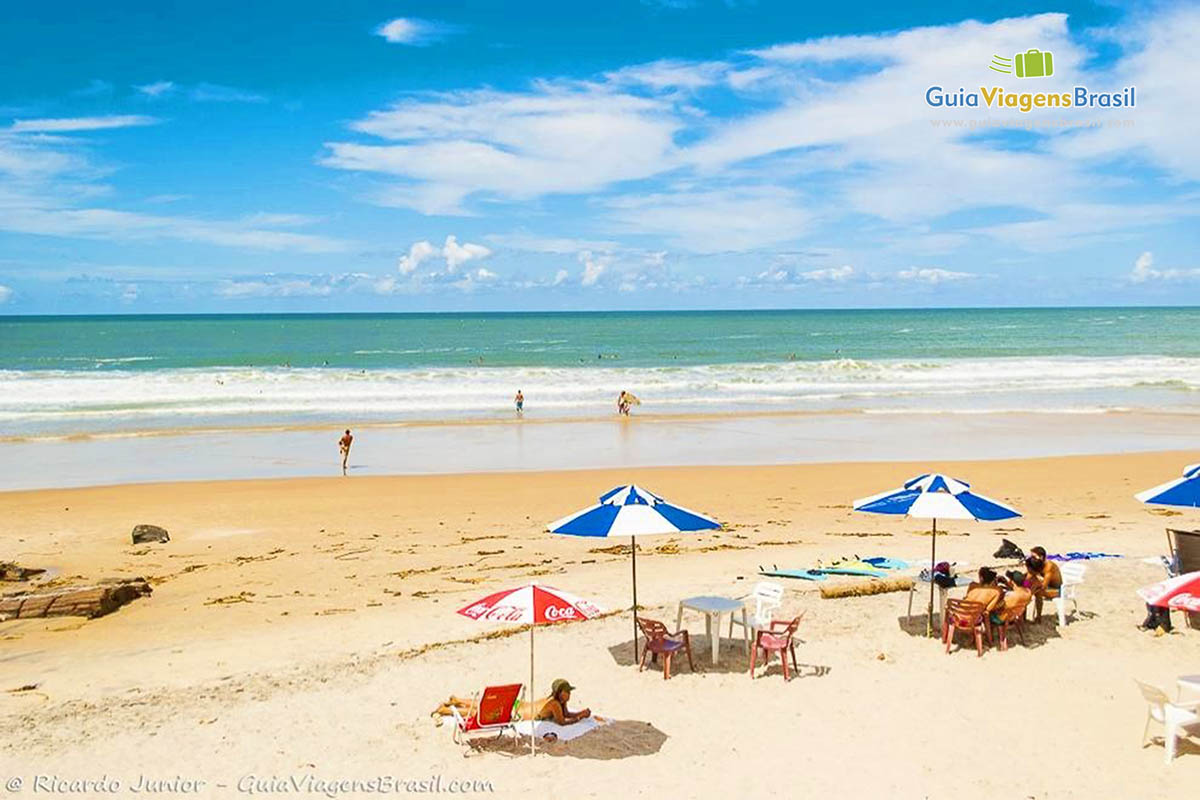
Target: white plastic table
[712,607]
[1188,683]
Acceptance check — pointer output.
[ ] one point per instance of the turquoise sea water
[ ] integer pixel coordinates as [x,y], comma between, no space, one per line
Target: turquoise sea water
[62,375]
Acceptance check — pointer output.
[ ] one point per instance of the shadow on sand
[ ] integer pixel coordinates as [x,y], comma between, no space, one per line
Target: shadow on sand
[1036,634]
[732,659]
[623,738]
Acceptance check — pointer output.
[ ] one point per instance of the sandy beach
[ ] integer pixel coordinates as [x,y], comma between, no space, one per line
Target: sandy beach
[303,629]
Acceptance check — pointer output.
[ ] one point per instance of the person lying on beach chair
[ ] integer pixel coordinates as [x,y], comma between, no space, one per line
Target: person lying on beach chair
[555,707]
[1045,577]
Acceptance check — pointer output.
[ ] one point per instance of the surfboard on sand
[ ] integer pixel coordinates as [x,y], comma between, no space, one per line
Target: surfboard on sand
[799,574]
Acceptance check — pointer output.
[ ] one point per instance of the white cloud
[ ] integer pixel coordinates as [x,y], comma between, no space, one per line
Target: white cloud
[416,254]
[669,74]
[594,266]
[830,275]
[516,146]
[274,286]
[710,221]
[932,275]
[72,124]
[1144,271]
[103,223]
[412,31]
[781,276]
[548,244]
[156,89]
[5,294]
[560,277]
[214,93]
[458,254]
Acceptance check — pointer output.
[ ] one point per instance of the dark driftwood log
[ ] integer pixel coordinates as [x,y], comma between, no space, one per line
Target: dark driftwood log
[149,533]
[14,572]
[93,601]
[873,586]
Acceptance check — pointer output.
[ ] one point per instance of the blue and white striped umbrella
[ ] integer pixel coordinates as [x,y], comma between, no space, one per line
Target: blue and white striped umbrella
[632,511]
[1183,491]
[936,496]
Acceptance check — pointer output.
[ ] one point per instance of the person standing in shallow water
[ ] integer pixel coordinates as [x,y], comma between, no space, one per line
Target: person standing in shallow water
[344,446]
[519,400]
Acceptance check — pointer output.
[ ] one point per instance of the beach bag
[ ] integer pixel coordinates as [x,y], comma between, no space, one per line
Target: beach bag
[1009,549]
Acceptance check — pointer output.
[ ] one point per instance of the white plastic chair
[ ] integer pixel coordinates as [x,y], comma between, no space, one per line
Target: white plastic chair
[1072,577]
[768,597]
[1172,716]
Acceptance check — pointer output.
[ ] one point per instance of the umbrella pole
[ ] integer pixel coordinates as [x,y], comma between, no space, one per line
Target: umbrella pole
[532,711]
[932,565]
[633,561]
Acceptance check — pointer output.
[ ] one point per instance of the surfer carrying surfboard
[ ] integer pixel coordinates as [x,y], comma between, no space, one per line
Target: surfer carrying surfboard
[625,400]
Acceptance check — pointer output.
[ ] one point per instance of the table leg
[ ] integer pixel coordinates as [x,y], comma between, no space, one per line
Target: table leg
[679,618]
[714,627]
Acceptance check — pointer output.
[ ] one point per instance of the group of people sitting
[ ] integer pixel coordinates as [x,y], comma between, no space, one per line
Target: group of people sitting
[1005,597]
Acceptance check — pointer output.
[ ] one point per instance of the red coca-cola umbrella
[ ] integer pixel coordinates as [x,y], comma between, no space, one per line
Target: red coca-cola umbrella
[532,605]
[1181,593]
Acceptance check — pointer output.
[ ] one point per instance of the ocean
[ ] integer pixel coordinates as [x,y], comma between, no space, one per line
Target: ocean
[67,376]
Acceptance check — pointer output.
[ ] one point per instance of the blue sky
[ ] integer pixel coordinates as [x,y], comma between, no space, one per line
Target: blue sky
[361,156]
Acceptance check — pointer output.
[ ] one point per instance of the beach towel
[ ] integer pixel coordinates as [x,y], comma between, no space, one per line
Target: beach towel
[565,733]
[1084,556]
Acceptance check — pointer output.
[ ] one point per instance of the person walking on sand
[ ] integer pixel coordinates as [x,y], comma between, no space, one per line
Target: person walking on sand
[520,401]
[344,447]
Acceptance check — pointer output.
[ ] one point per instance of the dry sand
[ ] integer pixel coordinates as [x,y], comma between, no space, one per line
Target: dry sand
[306,627]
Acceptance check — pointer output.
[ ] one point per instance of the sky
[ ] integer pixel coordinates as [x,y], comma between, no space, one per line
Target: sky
[633,154]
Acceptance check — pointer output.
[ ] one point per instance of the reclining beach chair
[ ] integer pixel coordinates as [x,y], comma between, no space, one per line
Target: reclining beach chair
[779,637]
[964,615]
[768,597]
[1172,716]
[661,643]
[496,709]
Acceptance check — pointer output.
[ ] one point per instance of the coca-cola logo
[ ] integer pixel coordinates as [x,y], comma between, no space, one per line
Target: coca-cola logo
[1186,601]
[554,613]
[495,613]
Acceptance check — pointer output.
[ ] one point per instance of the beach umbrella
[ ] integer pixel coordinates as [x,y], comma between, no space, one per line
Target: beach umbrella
[1183,491]
[934,496]
[632,511]
[532,605]
[1181,593]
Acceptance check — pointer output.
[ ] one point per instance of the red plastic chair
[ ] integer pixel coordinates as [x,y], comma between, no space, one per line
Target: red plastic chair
[662,643]
[495,710]
[964,615]
[778,639]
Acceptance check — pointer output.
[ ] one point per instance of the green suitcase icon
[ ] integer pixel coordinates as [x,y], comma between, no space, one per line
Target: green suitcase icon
[1034,63]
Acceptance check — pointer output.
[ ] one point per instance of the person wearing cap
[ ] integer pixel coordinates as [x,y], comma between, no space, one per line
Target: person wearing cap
[555,707]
